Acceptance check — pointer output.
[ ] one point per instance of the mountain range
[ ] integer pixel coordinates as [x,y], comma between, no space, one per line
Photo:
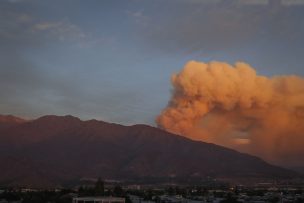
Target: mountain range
[55,150]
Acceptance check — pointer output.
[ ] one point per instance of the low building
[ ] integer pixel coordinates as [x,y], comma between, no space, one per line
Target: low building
[98,200]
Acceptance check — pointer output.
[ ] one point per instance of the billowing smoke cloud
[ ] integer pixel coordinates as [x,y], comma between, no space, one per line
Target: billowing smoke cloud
[234,107]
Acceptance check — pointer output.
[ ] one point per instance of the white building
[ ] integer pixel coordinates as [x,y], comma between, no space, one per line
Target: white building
[98,200]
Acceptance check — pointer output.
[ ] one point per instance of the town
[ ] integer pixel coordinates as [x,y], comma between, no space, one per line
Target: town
[104,192]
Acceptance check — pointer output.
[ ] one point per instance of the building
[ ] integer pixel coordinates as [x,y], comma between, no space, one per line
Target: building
[98,200]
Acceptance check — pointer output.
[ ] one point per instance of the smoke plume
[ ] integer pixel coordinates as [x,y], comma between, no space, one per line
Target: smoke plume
[234,107]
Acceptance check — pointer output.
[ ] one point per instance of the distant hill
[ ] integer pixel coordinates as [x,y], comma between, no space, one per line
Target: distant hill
[54,150]
[9,120]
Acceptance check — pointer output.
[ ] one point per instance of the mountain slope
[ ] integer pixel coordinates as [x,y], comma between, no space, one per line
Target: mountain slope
[53,150]
[9,121]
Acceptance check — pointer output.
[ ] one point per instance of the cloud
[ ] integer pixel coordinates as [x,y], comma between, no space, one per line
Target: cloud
[14,1]
[254,2]
[224,25]
[139,17]
[22,27]
[233,106]
[292,2]
[63,30]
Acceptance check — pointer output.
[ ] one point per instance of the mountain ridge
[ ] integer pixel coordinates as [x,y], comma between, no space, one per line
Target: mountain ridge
[10,120]
[58,149]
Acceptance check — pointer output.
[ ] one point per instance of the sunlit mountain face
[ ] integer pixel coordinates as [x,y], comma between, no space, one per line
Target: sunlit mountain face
[226,72]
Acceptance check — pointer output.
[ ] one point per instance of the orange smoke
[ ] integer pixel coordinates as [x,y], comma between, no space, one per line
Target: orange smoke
[234,107]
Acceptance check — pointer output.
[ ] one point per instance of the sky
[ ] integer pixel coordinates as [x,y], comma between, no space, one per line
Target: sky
[112,59]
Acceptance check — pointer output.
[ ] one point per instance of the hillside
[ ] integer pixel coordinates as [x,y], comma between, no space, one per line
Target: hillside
[54,150]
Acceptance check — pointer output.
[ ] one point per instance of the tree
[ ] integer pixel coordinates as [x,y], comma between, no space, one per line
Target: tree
[230,199]
[99,187]
[118,191]
[171,191]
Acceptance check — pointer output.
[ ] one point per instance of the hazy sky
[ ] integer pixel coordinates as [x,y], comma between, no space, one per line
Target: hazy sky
[112,59]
